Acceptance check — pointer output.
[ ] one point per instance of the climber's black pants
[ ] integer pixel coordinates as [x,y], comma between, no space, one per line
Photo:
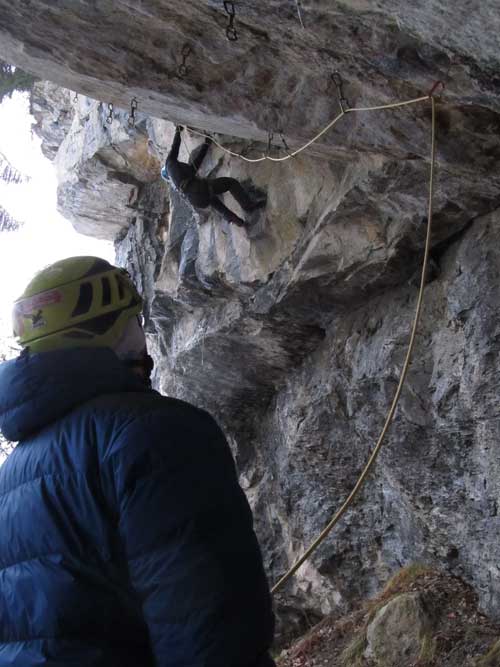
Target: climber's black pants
[220,185]
[203,193]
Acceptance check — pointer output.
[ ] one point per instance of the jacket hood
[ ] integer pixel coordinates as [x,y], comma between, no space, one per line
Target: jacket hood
[37,389]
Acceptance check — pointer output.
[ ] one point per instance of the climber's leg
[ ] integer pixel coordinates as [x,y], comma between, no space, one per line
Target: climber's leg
[221,185]
[226,213]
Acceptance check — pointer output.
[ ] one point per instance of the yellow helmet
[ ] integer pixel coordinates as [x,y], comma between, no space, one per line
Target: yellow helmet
[77,302]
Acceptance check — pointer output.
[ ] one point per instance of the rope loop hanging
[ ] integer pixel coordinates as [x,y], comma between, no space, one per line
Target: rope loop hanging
[378,446]
[345,109]
[315,139]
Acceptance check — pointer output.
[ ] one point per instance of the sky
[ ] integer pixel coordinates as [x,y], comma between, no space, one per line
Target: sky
[45,236]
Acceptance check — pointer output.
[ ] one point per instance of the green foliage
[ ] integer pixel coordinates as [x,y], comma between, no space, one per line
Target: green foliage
[399,583]
[492,658]
[352,655]
[12,78]
[428,649]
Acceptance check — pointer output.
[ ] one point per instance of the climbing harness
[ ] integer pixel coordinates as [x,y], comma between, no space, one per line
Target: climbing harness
[371,461]
[231,32]
[109,119]
[185,53]
[133,110]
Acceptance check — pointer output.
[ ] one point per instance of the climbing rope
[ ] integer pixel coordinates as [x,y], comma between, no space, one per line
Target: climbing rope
[378,446]
[394,105]
[350,499]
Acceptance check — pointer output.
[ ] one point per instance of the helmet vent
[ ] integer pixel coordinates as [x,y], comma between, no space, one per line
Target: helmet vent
[100,325]
[121,289]
[84,300]
[106,291]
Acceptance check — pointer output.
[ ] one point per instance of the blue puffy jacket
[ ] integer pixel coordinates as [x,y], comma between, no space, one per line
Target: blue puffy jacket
[125,539]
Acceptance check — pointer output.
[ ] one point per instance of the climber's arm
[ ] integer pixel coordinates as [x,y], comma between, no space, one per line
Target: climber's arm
[176,144]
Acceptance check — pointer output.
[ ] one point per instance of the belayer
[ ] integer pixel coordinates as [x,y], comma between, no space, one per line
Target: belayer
[125,538]
[204,192]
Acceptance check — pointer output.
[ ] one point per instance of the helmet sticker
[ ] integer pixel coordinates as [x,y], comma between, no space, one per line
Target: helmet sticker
[89,305]
[25,306]
[37,320]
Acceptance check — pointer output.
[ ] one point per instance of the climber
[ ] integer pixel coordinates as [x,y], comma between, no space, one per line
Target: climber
[203,192]
[125,538]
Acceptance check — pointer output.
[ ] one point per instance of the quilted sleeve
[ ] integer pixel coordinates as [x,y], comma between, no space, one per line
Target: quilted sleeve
[186,530]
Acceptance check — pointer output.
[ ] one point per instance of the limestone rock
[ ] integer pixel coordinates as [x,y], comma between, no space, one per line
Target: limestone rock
[421,618]
[101,166]
[293,332]
[276,75]
[399,631]
[53,111]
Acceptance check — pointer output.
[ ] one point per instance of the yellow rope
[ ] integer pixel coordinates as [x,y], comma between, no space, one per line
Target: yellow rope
[315,138]
[404,371]
[371,461]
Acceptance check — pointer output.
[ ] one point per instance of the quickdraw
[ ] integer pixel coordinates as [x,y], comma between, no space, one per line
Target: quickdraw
[110,117]
[133,109]
[231,32]
[185,53]
[339,85]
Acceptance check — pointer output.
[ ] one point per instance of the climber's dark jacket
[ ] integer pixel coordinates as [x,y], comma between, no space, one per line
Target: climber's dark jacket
[125,539]
[180,173]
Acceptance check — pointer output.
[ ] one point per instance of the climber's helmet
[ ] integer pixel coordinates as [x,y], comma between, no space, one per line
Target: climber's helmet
[76,302]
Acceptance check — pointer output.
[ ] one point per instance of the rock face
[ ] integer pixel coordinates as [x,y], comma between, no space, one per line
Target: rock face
[397,634]
[101,161]
[276,73]
[293,331]
[421,617]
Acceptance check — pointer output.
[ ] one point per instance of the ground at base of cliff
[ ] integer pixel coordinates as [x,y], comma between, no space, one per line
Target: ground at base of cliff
[422,618]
